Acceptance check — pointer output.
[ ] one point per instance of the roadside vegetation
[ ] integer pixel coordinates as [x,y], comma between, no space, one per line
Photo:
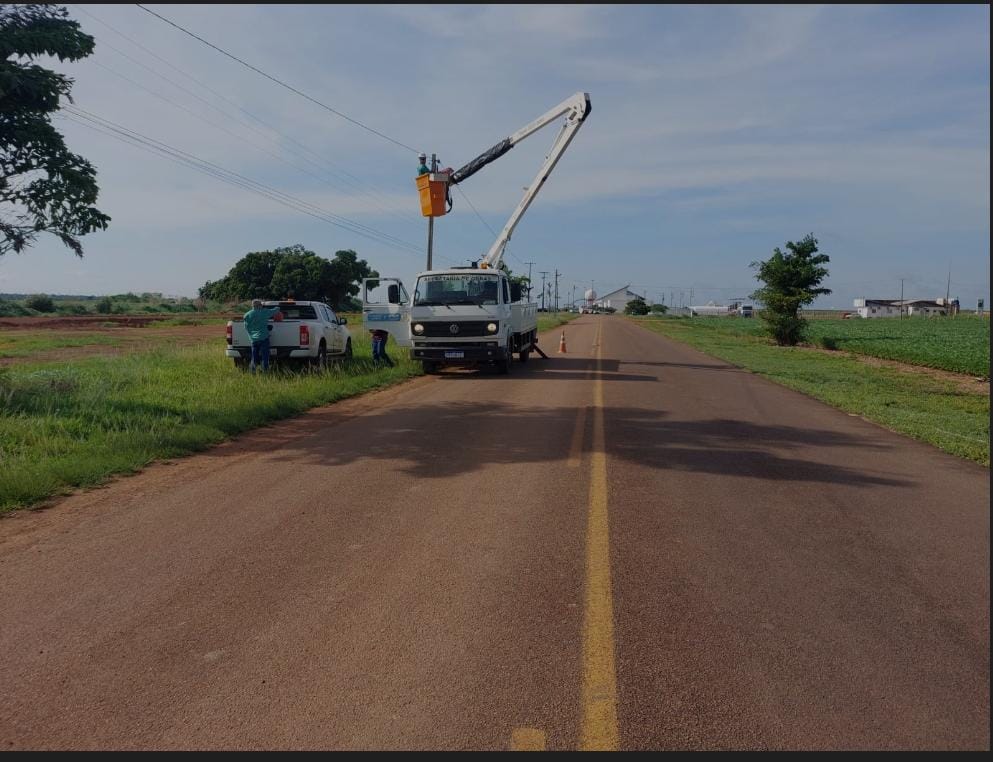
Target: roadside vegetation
[65,425]
[67,305]
[930,409]
[960,344]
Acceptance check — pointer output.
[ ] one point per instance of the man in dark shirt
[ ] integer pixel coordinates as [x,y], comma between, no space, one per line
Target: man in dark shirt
[379,339]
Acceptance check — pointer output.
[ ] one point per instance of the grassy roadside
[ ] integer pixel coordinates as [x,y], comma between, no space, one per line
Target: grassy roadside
[71,425]
[16,344]
[67,425]
[918,405]
[547,321]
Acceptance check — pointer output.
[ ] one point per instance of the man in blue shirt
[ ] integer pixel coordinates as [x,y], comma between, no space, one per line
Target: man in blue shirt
[422,168]
[257,325]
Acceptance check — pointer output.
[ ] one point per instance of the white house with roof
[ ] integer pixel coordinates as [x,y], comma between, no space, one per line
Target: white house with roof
[880,308]
[618,299]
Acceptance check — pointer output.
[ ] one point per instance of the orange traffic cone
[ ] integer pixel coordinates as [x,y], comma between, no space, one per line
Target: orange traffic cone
[562,344]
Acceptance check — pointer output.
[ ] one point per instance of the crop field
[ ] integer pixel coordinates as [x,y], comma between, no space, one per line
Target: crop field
[959,345]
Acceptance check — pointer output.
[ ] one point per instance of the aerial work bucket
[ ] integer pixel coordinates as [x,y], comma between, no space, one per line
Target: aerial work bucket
[432,187]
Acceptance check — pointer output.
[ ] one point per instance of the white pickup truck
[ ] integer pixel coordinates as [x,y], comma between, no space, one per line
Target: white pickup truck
[309,332]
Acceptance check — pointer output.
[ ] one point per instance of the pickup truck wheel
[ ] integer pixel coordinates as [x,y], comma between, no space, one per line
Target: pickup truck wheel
[430,367]
[348,349]
[321,361]
[524,354]
[241,363]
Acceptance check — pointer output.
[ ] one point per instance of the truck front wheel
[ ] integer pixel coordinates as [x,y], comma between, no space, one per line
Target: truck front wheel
[504,365]
[430,367]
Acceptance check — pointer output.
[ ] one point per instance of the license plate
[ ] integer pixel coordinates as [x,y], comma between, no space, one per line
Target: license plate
[272,351]
[454,355]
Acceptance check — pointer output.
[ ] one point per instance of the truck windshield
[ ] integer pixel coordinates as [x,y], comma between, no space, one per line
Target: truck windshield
[471,288]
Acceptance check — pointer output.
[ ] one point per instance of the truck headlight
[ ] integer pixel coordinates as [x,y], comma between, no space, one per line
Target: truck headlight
[418,329]
[491,327]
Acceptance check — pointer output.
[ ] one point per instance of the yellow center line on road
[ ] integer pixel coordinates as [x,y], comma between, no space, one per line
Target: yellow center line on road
[527,739]
[599,724]
[576,446]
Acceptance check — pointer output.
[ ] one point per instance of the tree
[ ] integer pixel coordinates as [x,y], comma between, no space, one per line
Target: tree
[43,186]
[636,306]
[40,302]
[792,279]
[659,309]
[292,270]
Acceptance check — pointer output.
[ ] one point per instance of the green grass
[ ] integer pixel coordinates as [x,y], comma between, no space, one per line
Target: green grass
[70,425]
[547,321]
[16,344]
[928,409]
[960,344]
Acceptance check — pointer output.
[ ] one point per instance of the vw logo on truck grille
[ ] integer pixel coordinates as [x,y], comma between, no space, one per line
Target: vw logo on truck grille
[453,328]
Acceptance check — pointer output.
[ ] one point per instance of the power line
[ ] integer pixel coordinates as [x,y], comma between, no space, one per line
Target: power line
[485,223]
[182,157]
[370,191]
[221,127]
[277,81]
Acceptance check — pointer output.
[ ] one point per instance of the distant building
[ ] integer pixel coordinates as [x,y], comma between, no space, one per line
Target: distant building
[880,308]
[618,299]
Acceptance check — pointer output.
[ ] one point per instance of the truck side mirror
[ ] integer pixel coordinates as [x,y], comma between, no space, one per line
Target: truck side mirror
[393,293]
[515,292]
[342,321]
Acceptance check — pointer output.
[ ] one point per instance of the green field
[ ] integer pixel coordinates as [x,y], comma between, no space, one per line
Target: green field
[18,344]
[960,344]
[932,410]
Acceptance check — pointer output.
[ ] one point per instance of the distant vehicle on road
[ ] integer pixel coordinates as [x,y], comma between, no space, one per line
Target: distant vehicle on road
[310,332]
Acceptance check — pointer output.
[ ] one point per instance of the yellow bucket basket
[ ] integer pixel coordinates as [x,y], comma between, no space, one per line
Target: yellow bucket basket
[432,191]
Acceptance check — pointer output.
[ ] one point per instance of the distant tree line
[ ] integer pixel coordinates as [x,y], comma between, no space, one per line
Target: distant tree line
[293,271]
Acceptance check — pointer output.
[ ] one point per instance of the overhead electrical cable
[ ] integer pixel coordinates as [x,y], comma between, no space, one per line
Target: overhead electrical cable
[214,170]
[277,81]
[375,195]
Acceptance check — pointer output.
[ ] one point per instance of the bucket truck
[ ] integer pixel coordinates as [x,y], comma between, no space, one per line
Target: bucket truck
[470,315]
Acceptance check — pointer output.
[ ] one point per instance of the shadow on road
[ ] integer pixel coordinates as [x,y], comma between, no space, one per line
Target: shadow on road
[436,441]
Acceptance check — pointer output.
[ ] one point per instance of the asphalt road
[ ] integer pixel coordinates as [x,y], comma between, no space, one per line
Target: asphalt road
[631,545]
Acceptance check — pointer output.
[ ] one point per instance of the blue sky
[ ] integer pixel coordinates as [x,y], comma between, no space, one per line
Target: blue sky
[716,134]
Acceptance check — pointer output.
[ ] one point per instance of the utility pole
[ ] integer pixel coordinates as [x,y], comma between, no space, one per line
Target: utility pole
[434,168]
[948,288]
[556,289]
[529,279]
[901,298]
[573,302]
[543,273]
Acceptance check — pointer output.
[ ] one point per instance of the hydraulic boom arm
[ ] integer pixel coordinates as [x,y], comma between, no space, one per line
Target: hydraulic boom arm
[575,110]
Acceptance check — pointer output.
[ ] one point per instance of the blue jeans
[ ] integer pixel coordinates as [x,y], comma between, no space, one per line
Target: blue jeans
[379,351]
[260,353]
